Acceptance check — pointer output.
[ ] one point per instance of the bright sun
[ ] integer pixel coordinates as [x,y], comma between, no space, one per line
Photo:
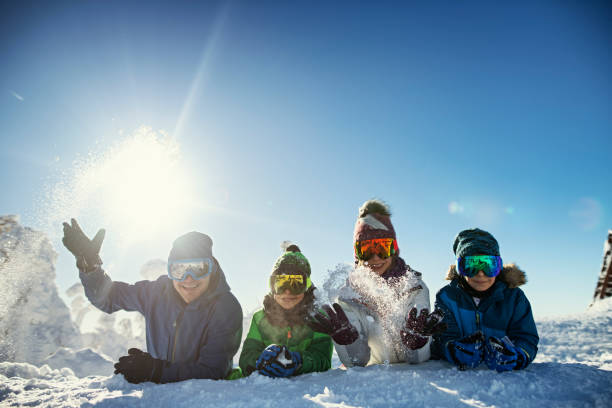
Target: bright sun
[140,185]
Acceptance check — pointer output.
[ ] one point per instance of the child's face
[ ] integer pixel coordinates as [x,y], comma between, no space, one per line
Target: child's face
[377,264]
[287,300]
[480,281]
[191,289]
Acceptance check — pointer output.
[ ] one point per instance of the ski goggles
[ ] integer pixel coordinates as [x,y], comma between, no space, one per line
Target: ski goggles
[383,247]
[196,268]
[296,284]
[469,266]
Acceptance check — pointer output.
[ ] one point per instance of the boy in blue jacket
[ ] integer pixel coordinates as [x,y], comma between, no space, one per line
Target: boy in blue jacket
[193,321]
[488,317]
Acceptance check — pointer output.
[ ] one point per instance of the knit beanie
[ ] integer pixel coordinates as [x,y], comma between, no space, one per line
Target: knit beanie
[374,221]
[192,245]
[291,262]
[475,242]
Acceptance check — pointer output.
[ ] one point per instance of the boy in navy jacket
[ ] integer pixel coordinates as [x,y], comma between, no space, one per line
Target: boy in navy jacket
[488,317]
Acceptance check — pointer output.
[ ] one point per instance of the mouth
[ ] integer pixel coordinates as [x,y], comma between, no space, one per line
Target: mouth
[189,286]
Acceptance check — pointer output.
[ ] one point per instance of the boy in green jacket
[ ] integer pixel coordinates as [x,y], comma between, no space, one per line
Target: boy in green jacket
[280,343]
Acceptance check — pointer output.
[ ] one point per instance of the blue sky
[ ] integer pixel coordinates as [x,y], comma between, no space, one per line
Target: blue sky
[288,115]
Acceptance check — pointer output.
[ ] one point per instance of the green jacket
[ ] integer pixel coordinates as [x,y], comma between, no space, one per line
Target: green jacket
[315,348]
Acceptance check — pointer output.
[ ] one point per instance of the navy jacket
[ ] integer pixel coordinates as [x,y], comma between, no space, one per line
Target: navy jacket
[506,312]
[196,339]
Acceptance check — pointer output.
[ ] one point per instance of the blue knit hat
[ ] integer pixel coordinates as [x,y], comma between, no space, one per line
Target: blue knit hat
[475,241]
[192,245]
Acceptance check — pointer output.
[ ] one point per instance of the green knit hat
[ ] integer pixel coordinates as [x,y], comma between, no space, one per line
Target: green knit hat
[291,262]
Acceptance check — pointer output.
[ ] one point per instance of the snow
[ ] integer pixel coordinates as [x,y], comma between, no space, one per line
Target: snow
[573,367]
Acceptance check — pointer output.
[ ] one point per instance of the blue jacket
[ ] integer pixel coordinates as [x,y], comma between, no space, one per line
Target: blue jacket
[196,339]
[506,312]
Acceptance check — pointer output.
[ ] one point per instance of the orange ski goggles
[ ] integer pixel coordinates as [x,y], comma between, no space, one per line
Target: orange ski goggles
[383,247]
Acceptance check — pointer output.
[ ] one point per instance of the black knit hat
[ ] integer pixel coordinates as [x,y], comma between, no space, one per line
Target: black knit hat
[192,245]
[475,241]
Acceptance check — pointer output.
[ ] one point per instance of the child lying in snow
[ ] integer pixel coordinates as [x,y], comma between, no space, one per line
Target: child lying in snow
[280,343]
[488,317]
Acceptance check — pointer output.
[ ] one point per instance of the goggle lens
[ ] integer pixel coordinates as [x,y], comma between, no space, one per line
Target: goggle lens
[469,266]
[383,247]
[196,268]
[296,284]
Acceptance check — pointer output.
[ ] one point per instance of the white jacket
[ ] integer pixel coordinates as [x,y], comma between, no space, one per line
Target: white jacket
[378,311]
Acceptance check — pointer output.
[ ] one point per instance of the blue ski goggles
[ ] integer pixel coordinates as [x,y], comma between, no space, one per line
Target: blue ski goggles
[196,268]
[469,266]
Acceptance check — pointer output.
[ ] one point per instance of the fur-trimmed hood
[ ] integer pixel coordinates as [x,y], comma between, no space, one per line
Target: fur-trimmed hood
[510,274]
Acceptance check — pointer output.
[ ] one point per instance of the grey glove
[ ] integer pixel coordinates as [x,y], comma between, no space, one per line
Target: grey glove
[85,250]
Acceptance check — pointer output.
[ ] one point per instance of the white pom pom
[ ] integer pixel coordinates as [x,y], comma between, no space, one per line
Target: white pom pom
[285,244]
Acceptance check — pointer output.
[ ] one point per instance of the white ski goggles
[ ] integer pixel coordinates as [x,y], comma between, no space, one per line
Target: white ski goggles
[196,268]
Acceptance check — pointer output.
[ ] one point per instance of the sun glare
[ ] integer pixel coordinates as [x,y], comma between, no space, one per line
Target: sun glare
[139,186]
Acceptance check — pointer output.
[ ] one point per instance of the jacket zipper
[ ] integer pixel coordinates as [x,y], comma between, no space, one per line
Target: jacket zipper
[176,325]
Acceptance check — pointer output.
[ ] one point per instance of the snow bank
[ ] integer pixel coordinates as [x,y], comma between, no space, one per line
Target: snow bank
[34,321]
[569,371]
[83,362]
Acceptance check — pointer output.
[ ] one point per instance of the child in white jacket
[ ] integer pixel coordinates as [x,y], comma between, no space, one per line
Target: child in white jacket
[382,313]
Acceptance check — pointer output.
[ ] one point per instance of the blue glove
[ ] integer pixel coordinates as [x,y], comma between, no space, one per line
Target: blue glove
[466,352]
[278,361]
[502,355]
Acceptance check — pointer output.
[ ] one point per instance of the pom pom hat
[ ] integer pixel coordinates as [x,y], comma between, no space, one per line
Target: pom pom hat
[291,262]
[374,221]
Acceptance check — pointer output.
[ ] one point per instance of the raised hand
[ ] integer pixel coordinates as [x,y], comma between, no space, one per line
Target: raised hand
[417,329]
[86,251]
[502,355]
[278,361]
[139,366]
[334,323]
[467,352]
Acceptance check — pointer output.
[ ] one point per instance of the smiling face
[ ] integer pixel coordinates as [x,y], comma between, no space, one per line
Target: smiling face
[377,264]
[287,300]
[480,281]
[191,289]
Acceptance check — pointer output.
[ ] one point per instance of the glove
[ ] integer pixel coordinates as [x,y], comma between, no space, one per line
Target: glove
[466,352]
[85,250]
[139,366]
[278,361]
[335,324]
[417,330]
[502,355]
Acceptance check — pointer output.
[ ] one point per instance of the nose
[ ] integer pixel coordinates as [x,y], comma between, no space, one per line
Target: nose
[287,292]
[189,279]
[374,257]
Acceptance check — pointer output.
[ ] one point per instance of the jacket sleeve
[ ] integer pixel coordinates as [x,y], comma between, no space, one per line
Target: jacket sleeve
[420,301]
[317,357]
[109,296]
[218,347]
[522,329]
[251,349]
[357,353]
[452,332]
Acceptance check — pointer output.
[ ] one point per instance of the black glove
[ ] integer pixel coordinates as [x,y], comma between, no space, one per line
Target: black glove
[336,324]
[139,366]
[85,250]
[418,329]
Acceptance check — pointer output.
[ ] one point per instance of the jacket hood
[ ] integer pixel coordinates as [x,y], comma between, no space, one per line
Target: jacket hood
[510,274]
